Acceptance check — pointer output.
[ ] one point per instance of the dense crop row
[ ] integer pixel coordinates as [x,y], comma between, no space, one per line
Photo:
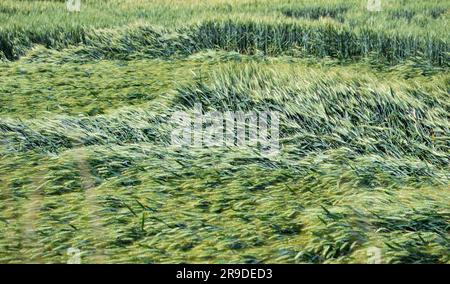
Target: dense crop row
[245,37]
[272,35]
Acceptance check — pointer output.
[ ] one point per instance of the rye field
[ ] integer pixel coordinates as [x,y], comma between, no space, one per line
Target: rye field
[88,170]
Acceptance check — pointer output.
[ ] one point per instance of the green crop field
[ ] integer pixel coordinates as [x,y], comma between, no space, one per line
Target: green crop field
[87,164]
